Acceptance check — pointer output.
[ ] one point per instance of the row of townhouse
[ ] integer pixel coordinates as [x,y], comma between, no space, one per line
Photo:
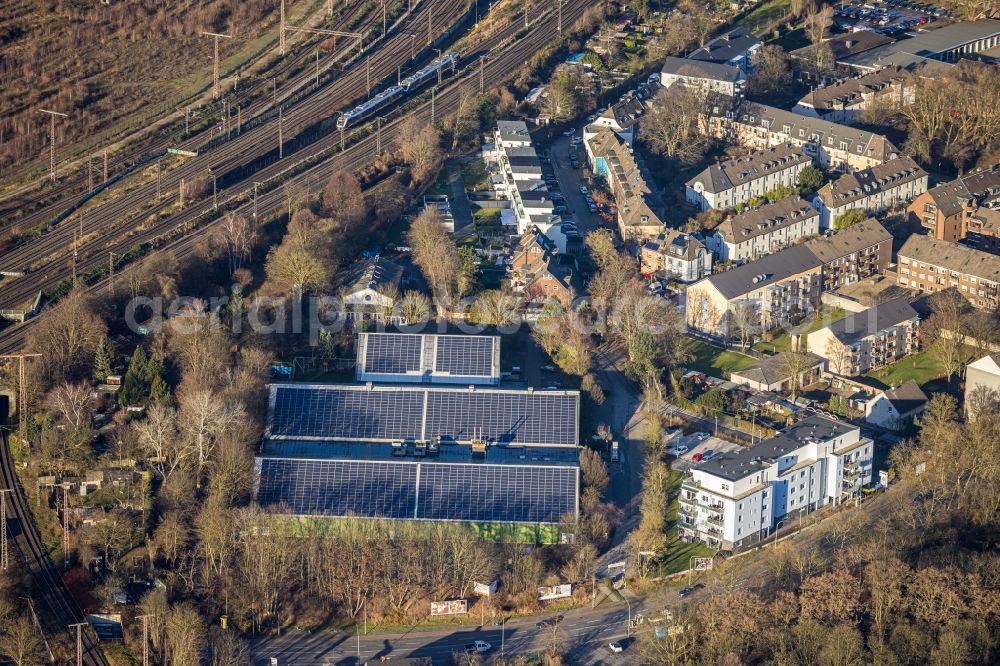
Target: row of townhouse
[945,210]
[639,207]
[866,340]
[929,265]
[735,500]
[873,190]
[520,182]
[780,288]
[764,230]
[736,181]
[830,145]
[844,101]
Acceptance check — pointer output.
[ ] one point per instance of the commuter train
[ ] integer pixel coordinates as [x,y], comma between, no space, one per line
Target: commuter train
[394,93]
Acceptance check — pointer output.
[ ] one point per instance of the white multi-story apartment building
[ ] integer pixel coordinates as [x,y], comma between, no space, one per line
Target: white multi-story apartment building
[735,500]
[730,183]
[844,101]
[521,182]
[710,77]
[737,48]
[873,190]
[765,230]
[675,255]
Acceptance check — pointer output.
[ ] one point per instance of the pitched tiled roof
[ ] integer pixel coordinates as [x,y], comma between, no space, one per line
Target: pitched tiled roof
[872,145]
[854,186]
[848,241]
[766,219]
[982,185]
[773,369]
[951,256]
[724,175]
[697,69]
[849,91]
[860,325]
[774,267]
[906,397]
[676,244]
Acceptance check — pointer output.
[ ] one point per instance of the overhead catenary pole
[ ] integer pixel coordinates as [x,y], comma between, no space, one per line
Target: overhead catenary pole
[378,136]
[215,60]
[22,391]
[255,184]
[52,140]
[438,57]
[430,24]
[281,140]
[383,19]
[281,29]
[215,192]
[4,555]
[90,173]
[105,165]
[559,19]
[145,638]
[111,273]
[482,66]
[79,641]
[65,487]
[368,76]
[433,93]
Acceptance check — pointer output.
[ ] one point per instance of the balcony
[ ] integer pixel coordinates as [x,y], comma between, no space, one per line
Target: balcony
[715,520]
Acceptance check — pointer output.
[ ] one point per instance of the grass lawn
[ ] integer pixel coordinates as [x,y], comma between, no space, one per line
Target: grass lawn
[825,316]
[679,554]
[474,175]
[717,362]
[919,367]
[765,14]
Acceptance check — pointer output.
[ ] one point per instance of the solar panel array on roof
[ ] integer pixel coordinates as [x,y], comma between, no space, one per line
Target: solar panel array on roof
[464,355]
[393,354]
[422,491]
[338,487]
[432,359]
[381,413]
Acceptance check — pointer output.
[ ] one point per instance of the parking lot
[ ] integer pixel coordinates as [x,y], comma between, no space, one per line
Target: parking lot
[695,447]
[887,17]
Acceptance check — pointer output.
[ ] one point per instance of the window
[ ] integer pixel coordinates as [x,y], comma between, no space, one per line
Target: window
[792,503]
[725,486]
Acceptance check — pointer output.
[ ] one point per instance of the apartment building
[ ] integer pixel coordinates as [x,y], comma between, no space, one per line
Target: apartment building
[737,48]
[675,256]
[710,77]
[831,145]
[735,500]
[844,101]
[520,182]
[867,340]
[984,230]
[622,117]
[852,254]
[765,230]
[776,289]
[873,190]
[930,265]
[982,375]
[736,181]
[945,210]
[639,206]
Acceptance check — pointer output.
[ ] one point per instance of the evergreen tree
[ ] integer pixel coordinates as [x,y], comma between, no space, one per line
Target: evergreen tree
[159,392]
[135,385]
[105,360]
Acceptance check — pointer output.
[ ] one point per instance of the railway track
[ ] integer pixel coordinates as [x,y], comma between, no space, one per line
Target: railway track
[116,217]
[296,73]
[173,238]
[56,609]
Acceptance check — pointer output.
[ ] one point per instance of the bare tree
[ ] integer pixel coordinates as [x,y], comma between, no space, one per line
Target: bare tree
[20,642]
[414,307]
[561,96]
[435,254]
[745,320]
[671,126]
[343,198]
[817,24]
[302,262]
[239,237]
[838,355]
[420,145]
[185,636]
[794,364]
[771,74]
[73,403]
[203,418]
[496,307]
[67,337]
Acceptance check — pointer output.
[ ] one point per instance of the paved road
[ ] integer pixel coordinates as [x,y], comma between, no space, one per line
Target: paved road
[584,634]
[569,183]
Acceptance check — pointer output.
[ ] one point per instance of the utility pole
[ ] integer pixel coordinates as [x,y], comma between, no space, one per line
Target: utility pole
[317,68]
[482,66]
[433,92]
[239,119]
[341,140]
[413,40]
[4,555]
[105,165]
[52,141]
[215,193]
[158,170]
[145,638]
[180,194]
[215,61]
[281,141]
[559,19]
[111,273]
[22,391]
[281,29]
[438,52]
[187,121]
[329,8]
[255,184]
[65,487]
[368,75]
[378,136]
[75,241]
[79,641]
[430,24]
[90,173]
[525,14]
[383,19]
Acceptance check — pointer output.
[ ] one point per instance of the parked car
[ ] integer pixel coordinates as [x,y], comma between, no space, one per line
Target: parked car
[548,368]
[478,646]
[701,436]
[570,132]
[583,189]
[616,647]
[678,450]
[549,622]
